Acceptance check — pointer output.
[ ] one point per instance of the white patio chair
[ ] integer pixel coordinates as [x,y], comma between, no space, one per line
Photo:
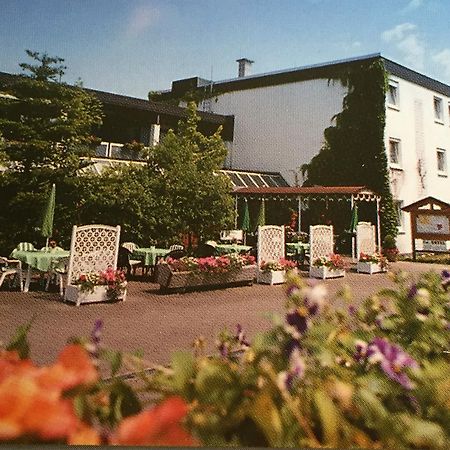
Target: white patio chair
[11,267]
[365,239]
[93,248]
[320,243]
[57,273]
[133,263]
[25,246]
[270,244]
[176,247]
[232,235]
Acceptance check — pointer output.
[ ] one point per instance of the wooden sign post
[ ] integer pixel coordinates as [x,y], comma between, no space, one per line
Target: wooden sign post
[430,219]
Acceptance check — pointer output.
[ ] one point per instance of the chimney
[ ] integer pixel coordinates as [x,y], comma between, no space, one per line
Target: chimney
[244,67]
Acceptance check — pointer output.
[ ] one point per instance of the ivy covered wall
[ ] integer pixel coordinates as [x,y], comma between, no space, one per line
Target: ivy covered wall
[354,153]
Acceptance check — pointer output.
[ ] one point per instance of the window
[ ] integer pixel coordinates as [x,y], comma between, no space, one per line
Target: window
[394,152]
[392,94]
[398,204]
[441,161]
[438,110]
[102,149]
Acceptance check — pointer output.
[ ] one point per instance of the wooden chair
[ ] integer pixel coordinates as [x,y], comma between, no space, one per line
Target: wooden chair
[271,246]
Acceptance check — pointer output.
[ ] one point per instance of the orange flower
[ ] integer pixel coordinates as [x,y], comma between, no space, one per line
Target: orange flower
[84,435]
[159,426]
[10,363]
[74,367]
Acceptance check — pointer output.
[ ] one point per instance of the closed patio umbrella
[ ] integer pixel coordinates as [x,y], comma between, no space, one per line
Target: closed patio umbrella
[245,225]
[49,213]
[261,219]
[353,224]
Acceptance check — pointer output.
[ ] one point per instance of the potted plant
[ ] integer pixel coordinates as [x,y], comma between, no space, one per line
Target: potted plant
[373,263]
[189,272]
[390,249]
[92,287]
[273,272]
[331,266]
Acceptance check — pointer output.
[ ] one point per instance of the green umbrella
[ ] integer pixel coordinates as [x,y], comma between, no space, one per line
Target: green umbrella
[245,225]
[354,221]
[261,220]
[49,213]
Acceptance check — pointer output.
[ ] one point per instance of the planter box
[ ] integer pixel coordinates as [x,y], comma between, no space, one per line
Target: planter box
[167,279]
[369,267]
[74,295]
[325,272]
[272,277]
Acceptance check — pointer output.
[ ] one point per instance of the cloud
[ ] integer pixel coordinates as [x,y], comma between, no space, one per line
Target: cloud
[443,59]
[141,18]
[406,40]
[412,6]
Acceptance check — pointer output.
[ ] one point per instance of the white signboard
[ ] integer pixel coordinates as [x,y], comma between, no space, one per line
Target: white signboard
[428,223]
[434,246]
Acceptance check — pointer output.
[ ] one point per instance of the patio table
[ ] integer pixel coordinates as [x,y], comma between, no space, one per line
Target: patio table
[225,249]
[41,260]
[297,246]
[150,255]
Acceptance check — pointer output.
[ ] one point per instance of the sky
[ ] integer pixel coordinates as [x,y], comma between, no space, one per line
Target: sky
[132,47]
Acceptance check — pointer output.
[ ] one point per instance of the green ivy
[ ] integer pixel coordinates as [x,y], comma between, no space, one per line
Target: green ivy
[354,151]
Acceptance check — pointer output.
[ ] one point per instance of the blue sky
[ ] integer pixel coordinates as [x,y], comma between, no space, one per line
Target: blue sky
[134,46]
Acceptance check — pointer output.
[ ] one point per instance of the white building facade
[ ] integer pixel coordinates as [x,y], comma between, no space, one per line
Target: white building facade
[280,118]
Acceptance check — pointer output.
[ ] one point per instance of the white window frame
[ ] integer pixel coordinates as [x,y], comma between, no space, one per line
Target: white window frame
[107,149]
[398,164]
[441,172]
[111,144]
[438,115]
[396,103]
[400,216]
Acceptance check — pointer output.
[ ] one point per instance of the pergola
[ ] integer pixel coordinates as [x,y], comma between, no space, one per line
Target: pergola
[303,195]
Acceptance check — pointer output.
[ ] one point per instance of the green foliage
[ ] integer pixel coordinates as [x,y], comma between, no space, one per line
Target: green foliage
[389,242]
[354,152]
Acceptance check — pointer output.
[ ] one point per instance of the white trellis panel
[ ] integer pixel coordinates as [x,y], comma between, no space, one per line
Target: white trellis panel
[365,239]
[93,248]
[320,242]
[270,243]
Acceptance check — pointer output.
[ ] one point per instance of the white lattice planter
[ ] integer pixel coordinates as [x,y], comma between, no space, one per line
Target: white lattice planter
[272,277]
[325,272]
[369,267]
[74,295]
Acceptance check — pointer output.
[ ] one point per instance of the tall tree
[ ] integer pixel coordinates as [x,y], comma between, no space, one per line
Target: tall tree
[47,127]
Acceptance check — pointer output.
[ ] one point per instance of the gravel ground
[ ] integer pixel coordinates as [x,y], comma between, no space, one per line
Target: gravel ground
[159,324]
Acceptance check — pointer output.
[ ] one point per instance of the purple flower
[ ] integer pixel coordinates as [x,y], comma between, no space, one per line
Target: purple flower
[298,319]
[291,345]
[445,275]
[240,336]
[412,292]
[97,331]
[361,350]
[223,349]
[393,360]
[296,371]
[352,310]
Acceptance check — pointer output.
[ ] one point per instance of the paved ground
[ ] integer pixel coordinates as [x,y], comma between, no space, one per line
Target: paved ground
[159,324]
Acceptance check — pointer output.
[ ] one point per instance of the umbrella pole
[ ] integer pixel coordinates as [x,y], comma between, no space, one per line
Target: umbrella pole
[353,237]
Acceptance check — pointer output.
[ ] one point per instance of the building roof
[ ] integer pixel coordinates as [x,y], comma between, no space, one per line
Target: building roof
[427,201]
[134,103]
[304,190]
[325,70]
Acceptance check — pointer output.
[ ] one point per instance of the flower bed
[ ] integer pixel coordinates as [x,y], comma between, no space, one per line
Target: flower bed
[94,287]
[370,264]
[372,374]
[190,273]
[274,272]
[331,266]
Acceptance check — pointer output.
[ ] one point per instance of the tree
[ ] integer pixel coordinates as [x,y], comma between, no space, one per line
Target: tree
[47,127]
[354,151]
[188,165]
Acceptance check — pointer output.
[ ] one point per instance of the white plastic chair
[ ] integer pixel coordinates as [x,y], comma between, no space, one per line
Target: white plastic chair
[365,239]
[320,243]
[270,244]
[58,272]
[11,267]
[25,246]
[232,235]
[176,247]
[93,248]
[134,263]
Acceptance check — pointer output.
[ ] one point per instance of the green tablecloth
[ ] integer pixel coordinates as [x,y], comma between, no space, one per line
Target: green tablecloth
[149,255]
[297,246]
[39,259]
[224,249]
